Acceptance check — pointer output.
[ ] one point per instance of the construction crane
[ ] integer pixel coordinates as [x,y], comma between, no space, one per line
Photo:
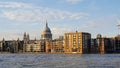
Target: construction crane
[118,28]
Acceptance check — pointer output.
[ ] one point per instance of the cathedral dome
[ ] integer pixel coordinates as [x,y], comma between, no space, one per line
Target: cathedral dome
[46,29]
[46,33]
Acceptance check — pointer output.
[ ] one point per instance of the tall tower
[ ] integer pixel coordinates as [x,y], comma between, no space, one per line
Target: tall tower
[25,41]
[46,33]
[3,45]
[25,38]
[3,41]
[28,38]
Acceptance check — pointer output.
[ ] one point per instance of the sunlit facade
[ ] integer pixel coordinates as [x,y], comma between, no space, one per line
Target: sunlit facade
[77,42]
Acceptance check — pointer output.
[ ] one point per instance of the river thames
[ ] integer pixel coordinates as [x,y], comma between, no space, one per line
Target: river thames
[59,61]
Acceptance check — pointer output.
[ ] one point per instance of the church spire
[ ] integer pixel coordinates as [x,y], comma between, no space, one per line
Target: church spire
[18,39]
[3,39]
[24,34]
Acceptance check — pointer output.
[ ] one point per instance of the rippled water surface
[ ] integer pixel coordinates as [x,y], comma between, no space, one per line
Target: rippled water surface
[59,61]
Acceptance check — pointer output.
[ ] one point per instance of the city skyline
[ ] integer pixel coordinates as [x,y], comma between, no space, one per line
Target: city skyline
[63,16]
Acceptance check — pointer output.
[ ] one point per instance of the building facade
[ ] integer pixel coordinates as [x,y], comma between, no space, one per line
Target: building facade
[104,45]
[11,46]
[77,42]
[38,45]
[107,45]
[117,44]
[73,42]
[0,46]
[55,46]
[94,46]
[58,45]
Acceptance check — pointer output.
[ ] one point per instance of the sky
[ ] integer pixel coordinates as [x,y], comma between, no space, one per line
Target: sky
[63,16]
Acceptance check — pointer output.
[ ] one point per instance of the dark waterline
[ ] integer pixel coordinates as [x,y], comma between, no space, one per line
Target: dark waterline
[59,60]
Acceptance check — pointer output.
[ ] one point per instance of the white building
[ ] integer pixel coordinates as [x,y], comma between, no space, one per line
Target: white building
[34,47]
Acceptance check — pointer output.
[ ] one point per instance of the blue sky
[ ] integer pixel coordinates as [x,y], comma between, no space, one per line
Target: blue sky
[93,16]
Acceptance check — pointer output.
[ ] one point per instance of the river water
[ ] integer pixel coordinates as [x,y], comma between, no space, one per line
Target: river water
[59,61]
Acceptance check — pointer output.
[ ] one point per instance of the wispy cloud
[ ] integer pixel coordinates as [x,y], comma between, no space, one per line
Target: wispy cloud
[58,31]
[103,25]
[74,1]
[27,12]
[13,5]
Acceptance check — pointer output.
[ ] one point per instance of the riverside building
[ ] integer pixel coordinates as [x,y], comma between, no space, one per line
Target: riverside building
[105,45]
[77,42]
[38,45]
[73,42]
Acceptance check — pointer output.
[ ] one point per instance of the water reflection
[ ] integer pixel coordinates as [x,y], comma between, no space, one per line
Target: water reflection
[59,61]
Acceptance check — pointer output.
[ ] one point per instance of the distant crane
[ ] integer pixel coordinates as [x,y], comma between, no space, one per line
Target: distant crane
[118,28]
